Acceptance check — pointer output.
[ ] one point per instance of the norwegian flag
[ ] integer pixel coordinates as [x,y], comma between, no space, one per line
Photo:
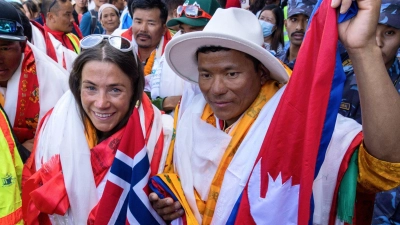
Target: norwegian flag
[125,200]
[280,186]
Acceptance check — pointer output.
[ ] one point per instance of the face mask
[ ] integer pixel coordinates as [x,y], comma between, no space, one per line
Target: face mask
[268,28]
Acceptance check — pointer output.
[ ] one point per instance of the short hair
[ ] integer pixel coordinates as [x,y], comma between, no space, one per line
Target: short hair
[126,61]
[149,4]
[213,48]
[55,5]
[173,4]
[257,6]
[277,36]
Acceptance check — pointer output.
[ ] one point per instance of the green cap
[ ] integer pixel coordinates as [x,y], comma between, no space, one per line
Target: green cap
[209,6]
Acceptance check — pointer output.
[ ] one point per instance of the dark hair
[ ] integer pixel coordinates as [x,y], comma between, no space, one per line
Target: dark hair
[24,19]
[173,4]
[31,6]
[54,4]
[257,6]
[149,4]
[213,48]
[277,35]
[126,61]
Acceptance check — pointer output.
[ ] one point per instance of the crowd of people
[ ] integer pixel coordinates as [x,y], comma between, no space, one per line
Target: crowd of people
[170,112]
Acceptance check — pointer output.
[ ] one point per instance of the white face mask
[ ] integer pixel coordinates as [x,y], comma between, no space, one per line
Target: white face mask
[267,27]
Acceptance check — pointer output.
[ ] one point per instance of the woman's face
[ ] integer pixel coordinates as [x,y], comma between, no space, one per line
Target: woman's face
[81,3]
[268,16]
[109,20]
[106,92]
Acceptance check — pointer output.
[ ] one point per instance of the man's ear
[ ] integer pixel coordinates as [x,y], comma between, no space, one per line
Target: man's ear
[264,73]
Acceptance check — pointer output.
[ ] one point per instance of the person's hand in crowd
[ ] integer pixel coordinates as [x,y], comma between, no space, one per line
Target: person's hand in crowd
[166,208]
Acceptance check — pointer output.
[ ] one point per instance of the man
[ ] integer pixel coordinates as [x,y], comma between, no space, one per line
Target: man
[59,25]
[299,11]
[387,205]
[149,33]
[218,136]
[90,23]
[30,82]
[172,5]
[166,86]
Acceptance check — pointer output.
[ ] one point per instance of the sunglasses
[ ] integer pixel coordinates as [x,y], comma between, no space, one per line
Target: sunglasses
[9,26]
[52,4]
[120,43]
[192,11]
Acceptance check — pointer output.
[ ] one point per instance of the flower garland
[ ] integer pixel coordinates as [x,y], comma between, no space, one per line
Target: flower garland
[149,63]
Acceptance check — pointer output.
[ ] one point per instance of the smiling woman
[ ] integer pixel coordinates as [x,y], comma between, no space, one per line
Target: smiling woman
[102,118]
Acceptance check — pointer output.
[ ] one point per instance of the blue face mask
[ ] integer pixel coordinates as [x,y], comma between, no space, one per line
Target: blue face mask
[268,28]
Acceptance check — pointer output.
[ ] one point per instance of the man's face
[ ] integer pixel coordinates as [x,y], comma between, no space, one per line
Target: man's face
[147,27]
[184,28]
[229,82]
[388,39]
[10,58]
[296,27]
[61,19]
[120,4]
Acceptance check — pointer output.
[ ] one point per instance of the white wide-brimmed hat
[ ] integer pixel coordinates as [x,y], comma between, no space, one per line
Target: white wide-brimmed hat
[232,28]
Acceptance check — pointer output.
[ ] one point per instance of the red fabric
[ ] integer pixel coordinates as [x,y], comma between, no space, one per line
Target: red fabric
[27,114]
[127,34]
[50,51]
[62,37]
[233,4]
[77,30]
[342,170]
[293,140]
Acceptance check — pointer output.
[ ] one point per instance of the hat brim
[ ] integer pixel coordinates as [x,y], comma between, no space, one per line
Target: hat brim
[181,54]
[199,22]
[12,37]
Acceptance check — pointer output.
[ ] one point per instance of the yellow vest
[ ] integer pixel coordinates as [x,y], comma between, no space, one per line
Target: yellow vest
[75,42]
[10,175]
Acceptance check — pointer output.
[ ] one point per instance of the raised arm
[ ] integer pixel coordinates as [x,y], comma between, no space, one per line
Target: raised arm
[380,102]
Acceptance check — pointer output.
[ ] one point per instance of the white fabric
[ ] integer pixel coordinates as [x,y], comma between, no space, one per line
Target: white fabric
[164,82]
[191,131]
[38,39]
[11,96]
[325,182]
[52,79]
[63,53]
[124,12]
[64,134]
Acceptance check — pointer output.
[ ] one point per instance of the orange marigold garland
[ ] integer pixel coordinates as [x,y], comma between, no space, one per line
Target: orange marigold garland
[149,64]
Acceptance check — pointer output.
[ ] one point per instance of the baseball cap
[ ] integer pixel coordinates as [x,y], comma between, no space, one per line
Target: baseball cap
[10,23]
[209,6]
[305,7]
[390,13]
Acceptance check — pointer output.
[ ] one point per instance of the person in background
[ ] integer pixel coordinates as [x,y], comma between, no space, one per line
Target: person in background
[271,20]
[387,204]
[90,23]
[80,8]
[109,18]
[31,9]
[171,6]
[120,4]
[299,11]
[31,83]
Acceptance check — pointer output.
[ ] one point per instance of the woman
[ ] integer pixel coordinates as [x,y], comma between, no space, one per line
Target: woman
[271,20]
[109,18]
[90,138]
[80,8]
[31,9]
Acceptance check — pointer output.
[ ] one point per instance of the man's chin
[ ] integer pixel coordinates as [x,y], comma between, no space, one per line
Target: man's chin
[143,45]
